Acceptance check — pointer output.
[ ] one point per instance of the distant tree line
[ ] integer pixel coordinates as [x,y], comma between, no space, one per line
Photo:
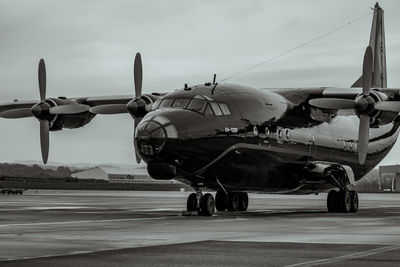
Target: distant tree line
[34,171]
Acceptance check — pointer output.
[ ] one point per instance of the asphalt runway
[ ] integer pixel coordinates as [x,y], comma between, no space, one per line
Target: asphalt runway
[101,228]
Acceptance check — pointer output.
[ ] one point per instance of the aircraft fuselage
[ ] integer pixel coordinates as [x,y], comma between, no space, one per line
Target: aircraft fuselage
[260,144]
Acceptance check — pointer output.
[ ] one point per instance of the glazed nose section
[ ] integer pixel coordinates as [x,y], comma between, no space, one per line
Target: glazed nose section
[152,134]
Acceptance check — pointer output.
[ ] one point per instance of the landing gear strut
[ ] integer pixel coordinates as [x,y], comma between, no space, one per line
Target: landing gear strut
[345,200]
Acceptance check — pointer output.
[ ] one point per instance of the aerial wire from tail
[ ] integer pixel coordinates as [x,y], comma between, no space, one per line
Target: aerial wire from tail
[296,47]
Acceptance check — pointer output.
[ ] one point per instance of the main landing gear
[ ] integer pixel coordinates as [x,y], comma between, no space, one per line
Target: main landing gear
[233,201]
[205,204]
[342,201]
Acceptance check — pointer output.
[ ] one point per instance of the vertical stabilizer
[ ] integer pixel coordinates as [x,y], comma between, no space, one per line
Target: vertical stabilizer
[377,42]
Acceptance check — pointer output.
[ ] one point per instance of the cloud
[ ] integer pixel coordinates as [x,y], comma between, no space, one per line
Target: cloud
[89,48]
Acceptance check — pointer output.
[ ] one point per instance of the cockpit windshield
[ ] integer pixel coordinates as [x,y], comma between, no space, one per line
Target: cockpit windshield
[198,103]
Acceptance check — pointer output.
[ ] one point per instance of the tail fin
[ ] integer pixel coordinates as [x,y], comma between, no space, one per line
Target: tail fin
[377,42]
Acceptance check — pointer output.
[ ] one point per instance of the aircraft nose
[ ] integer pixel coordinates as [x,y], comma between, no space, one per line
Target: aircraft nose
[152,133]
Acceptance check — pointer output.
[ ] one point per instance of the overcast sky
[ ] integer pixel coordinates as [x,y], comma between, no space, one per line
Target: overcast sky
[89,48]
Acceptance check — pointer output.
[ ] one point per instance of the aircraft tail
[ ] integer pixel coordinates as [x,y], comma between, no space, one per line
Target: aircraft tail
[377,42]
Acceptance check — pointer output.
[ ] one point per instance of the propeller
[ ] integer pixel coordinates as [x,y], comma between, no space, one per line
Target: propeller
[109,109]
[137,107]
[332,103]
[44,111]
[69,109]
[134,105]
[41,112]
[364,105]
[16,113]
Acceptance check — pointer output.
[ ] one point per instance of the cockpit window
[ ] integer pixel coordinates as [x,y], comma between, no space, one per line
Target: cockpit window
[208,110]
[165,103]
[180,103]
[216,108]
[224,109]
[197,104]
[156,104]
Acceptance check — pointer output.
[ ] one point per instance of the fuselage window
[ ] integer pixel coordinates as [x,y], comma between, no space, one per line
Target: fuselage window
[224,109]
[165,103]
[156,104]
[180,103]
[216,108]
[197,104]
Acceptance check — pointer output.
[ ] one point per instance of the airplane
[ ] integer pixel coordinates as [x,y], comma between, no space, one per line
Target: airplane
[235,139]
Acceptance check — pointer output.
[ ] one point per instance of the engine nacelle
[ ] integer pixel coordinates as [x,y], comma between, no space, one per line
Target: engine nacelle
[70,121]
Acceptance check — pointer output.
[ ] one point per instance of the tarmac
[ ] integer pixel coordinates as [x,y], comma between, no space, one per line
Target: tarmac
[115,228]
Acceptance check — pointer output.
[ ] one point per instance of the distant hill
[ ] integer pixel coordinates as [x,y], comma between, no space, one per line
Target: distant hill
[75,167]
[33,171]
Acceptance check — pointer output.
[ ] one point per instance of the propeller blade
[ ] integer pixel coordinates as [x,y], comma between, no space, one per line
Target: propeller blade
[42,80]
[363,138]
[16,113]
[138,158]
[138,75]
[332,103]
[109,109]
[44,139]
[393,106]
[367,70]
[69,109]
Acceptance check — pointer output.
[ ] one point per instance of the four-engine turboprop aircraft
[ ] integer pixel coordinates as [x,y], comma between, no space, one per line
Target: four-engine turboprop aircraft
[237,139]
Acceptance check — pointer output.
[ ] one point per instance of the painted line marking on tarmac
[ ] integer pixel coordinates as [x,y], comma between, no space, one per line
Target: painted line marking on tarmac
[350,256]
[82,221]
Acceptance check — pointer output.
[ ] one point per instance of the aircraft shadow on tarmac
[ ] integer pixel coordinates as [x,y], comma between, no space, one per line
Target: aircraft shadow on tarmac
[380,212]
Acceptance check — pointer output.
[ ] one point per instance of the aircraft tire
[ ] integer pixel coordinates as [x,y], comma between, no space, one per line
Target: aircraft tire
[243,201]
[233,201]
[221,201]
[207,205]
[344,201]
[354,201]
[191,204]
[332,201]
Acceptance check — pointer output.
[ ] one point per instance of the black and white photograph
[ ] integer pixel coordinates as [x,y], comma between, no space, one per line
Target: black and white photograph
[199,133]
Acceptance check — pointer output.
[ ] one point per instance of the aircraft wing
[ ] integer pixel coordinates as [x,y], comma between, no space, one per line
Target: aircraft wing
[21,109]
